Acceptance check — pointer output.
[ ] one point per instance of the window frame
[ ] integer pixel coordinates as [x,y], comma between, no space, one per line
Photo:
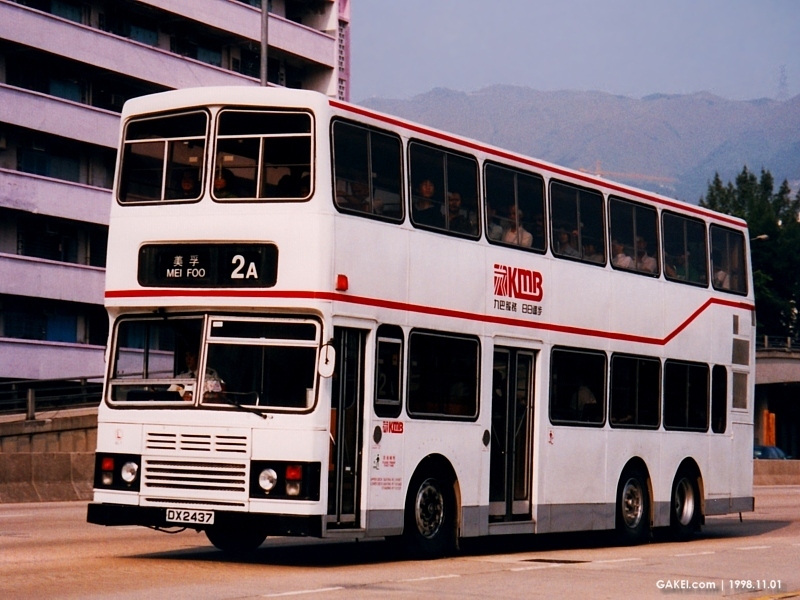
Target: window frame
[516,172]
[434,416]
[164,157]
[743,257]
[411,196]
[601,230]
[638,426]
[389,409]
[601,402]
[666,379]
[657,242]
[259,166]
[705,245]
[401,168]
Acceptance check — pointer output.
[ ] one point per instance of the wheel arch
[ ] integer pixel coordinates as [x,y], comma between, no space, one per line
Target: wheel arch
[441,466]
[637,462]
[689,465]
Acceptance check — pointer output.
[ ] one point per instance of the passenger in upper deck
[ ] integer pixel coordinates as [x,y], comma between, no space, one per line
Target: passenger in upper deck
[644,262]
[455,220]
[189,184]
[426,212]
[591,254]
[354,196]
[514,232]
[619,259]
[565,246]
[223,182]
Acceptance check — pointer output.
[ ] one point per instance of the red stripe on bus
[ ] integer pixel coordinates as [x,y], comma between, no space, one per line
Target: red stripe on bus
[429,310]
[532,163]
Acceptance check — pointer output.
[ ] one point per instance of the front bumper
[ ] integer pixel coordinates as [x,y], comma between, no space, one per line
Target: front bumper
[155,516]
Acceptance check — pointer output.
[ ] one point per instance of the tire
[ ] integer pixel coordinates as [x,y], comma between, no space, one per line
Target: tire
[633,507]
[235,541]
[684,514]
[429,530]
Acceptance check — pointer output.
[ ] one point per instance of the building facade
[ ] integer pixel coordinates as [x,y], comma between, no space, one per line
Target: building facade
[66,68]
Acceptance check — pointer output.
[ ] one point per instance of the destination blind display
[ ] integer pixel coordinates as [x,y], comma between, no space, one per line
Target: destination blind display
[208,265]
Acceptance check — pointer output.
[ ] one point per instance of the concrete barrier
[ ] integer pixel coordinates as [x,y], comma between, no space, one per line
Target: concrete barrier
[776,472]
[48,459]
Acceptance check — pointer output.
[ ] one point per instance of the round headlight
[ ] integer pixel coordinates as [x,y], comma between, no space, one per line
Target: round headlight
[267,479]
[128,472]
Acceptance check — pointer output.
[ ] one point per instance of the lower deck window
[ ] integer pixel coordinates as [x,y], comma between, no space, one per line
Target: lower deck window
[635,387]
[577,386]
[686,396]
[443,375]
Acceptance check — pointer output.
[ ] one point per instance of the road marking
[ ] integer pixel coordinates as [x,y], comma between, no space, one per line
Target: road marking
[15,515]
[616,560]
[754,548]
[301,592]
[429,578]
[553,566]
[694,553]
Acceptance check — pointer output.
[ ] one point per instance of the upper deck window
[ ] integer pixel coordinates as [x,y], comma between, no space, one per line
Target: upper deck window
[163,158]
[728,260]
[445,190]
[263,155]
[577,215]
[514,208]
[367,171]
[685,249]
[634,237]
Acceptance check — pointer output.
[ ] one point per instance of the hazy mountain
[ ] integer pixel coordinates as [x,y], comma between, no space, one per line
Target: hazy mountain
[672,144]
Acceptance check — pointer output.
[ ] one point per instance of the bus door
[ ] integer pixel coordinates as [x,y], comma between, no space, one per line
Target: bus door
[512,426]
[347,407]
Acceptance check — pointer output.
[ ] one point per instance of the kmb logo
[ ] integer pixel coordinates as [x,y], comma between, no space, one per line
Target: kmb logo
[518,283]
[392,427]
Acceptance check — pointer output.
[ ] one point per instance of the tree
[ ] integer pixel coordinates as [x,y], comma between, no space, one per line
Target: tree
[776,259]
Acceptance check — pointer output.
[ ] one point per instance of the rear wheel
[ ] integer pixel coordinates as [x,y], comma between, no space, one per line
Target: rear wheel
[429,530]
[633,507]
[235,540]
[684,518]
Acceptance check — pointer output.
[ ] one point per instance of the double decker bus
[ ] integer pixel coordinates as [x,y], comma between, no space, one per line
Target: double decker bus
[331,322]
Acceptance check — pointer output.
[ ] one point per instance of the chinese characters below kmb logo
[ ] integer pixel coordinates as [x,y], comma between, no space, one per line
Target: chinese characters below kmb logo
[520,284]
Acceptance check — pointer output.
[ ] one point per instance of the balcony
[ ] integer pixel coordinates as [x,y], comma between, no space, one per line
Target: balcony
[119,55]
[30,359]
[40,278]
[53,197]
[71,120]
[245,22]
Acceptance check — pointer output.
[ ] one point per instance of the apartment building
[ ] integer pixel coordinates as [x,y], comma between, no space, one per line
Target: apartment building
[66,68]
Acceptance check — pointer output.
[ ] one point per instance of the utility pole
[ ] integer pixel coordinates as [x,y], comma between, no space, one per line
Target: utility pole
[264,40]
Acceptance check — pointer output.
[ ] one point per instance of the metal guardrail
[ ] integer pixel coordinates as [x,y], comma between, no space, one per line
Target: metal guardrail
[31,395]
[774,342]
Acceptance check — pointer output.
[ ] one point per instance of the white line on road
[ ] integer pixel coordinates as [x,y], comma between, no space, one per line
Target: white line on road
[15,515]
[695,553]
[301,592]
[754,548]
[616,560]
[536,568]
[429,578]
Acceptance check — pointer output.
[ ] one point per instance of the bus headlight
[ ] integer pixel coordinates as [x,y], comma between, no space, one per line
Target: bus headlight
[267,479]
[128,472]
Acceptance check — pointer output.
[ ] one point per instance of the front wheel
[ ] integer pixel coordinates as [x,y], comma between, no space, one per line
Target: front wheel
[684,518]
[429,530]
[235,540]
[633,507]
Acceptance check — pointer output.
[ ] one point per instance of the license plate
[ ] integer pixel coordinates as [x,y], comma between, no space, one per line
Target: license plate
[192,517]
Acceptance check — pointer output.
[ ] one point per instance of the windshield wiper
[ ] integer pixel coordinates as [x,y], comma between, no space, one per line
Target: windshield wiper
[231,402]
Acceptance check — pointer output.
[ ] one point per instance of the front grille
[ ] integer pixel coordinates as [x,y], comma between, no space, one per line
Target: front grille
[212,443]
[194,475]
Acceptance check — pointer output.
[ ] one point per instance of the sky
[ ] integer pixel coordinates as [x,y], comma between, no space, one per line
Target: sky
[737,49]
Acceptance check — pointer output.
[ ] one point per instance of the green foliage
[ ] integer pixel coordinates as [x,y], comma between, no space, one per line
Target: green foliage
[776,260]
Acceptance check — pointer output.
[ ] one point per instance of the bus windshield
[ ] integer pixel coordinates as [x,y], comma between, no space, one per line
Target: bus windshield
[215,361]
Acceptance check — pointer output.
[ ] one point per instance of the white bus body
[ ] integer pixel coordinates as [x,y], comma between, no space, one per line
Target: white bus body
[544,380]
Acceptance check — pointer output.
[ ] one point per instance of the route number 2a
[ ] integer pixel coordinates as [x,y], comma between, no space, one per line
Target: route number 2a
[239,269]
